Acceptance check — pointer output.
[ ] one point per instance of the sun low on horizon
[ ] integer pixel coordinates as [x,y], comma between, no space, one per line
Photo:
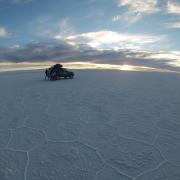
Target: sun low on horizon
[89,90]
[128,35]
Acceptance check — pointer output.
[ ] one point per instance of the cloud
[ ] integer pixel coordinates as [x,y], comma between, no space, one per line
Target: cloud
[173,8]
[128,17]
[136,9]
[22,1]
[3,32]
[110,40]
[16,1]
[166,55]
[64,52]
[172,57]
[45,27]
[141,6]
[173,25]
[42,27]
[35,52]
[66,27]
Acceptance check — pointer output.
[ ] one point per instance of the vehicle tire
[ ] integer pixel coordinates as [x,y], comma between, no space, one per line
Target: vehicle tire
[54,78]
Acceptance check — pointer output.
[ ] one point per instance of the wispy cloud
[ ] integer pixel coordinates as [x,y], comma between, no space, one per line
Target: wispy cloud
[66,27]
[3,32]
[22,1]
[128,17]
[173,7]
[173,25]
[16,1]
[46,27]
[41,27]
[110,40]
[136,9]
[141,6]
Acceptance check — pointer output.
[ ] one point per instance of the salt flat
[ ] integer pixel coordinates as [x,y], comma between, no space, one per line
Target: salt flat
[102,125]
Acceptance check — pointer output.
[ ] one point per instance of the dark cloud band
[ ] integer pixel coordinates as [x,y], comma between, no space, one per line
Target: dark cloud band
[63,52]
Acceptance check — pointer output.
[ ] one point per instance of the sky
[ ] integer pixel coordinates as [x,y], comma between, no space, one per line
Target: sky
[144,33]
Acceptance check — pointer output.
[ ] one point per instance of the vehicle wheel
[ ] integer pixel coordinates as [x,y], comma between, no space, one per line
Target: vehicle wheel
[53,78]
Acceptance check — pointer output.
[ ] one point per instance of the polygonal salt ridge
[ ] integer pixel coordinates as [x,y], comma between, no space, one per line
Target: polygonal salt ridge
[25,138]
[97,134]
[12,164]
[63,131]
[169,145]
[39,121]
[12,117]
[63,160]
[108,173]
[35,95]
[38,102]
[16,122]
[4,137]
[91,114]
[33,107]
[136,129]
[131,157]
[166,171]
[11,105]
[169,125]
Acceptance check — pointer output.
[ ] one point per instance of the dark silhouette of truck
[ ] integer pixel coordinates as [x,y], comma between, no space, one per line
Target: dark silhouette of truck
[57,72]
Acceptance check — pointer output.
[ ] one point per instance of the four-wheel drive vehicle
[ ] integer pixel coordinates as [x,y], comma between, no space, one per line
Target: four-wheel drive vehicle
[57,72]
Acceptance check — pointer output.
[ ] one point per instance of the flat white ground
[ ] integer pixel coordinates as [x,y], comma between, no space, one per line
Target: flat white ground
[102,125]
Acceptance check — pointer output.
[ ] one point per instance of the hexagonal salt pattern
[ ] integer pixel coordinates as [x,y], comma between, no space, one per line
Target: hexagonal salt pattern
[100,126]
[61,161]
[11,116]
[169,145]
[26,138]
[4,138]
[63,131]
[130,157]
[12,165]
[96,134]
[109,173]
[165,172]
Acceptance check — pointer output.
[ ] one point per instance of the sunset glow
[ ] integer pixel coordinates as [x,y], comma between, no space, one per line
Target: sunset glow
[76,65]
[127,35]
